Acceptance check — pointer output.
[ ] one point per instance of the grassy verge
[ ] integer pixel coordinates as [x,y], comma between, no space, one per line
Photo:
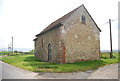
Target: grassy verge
[0,58]
[3,53]
[29,62]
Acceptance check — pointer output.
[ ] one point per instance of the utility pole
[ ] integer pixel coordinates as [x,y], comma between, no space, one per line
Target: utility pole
[12,45]
[110,38]
[8,49]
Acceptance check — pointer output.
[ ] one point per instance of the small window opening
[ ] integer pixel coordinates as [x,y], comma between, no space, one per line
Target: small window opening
[83,19]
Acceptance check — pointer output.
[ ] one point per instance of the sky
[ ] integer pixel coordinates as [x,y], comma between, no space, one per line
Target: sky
[23,19]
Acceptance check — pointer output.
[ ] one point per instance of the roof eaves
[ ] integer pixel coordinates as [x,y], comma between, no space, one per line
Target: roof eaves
[35,39]
[56,26]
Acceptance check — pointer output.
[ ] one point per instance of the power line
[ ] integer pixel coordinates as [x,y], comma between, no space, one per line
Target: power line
[111,21]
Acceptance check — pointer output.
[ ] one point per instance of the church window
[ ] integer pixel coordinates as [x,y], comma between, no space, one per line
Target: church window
[83,19]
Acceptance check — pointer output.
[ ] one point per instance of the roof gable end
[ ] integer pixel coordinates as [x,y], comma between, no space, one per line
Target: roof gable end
[92,19]
[57,23]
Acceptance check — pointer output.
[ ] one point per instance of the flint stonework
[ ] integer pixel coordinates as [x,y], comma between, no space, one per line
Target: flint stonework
[70,39]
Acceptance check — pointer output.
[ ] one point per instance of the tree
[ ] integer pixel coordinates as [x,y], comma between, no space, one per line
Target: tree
[16,51]
[31,51]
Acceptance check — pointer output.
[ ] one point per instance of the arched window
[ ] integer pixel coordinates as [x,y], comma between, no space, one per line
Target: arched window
[49,52]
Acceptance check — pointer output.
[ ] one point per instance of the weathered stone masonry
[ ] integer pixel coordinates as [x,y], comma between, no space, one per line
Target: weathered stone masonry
[70,39]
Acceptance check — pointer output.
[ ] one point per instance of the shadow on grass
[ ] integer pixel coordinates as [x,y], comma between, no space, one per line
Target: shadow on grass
[94,64]
[98,62]
[40,66]
[32,58]
[34,62]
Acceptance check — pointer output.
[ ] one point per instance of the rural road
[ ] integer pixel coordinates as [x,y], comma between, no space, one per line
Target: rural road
[106,72]
[73,75]
[11,72]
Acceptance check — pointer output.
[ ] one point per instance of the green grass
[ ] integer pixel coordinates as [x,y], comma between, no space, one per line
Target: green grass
[0,58]
[29,62]
[3,53]
[106,55]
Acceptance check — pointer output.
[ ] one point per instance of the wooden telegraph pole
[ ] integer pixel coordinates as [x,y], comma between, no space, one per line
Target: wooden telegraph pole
[110,38]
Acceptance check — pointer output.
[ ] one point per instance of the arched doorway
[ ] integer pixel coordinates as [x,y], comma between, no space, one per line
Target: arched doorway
[49,52]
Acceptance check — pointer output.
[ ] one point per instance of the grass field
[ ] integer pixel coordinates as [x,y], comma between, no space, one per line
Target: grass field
[3,53]
[29,62]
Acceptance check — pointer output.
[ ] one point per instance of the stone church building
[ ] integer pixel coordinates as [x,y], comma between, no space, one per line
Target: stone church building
[73,37]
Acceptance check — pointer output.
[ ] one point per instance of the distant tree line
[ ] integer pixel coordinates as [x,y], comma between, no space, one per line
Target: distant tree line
[30,52]
[16,52]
